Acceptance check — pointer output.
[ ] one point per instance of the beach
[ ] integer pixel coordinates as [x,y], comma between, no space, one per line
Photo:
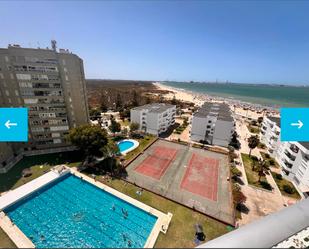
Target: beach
[239,108]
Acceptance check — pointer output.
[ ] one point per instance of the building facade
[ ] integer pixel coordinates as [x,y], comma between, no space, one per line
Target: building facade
[293,157]
[270,134]
[51,84]
[213,123]
[154,118]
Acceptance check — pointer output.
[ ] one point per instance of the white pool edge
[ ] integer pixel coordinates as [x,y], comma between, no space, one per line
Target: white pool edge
[135,145]
[13,196]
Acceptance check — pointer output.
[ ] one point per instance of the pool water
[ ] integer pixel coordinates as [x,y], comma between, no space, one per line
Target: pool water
[124,145]
[71,212]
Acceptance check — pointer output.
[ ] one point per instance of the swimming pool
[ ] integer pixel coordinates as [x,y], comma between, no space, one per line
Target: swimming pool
[127,145]
[70,212]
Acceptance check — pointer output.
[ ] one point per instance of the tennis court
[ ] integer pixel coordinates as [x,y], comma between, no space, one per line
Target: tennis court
[193,177]
[157,162]
[201,177]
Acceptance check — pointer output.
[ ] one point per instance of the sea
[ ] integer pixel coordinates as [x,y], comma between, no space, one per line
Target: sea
[275,96]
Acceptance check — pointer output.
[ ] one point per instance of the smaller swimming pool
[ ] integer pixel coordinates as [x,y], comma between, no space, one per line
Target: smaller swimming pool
[127,145]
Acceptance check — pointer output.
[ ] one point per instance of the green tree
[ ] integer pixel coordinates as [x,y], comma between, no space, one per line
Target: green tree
[94,113]
[174,100]
[118,101]
[262,168]
[135,100]
[115,126]
[253,141]
[134,126]
[89,139]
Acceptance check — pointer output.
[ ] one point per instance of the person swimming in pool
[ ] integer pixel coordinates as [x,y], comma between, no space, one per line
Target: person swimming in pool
[125,213]
[113,207]
[124,237]
[129,243]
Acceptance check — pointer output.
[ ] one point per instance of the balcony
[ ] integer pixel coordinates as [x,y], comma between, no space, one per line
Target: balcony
[294,148]
[287,164]
[289,155]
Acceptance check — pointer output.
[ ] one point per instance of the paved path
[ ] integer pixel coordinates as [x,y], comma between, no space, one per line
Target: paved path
[259,202]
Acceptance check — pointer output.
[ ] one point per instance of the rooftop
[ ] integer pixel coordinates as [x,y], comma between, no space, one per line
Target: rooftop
[275,119]
[155,107]
[222,111]
[305,144]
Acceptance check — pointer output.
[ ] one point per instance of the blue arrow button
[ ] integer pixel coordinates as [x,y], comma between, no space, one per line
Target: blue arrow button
[13,124]
[295,124]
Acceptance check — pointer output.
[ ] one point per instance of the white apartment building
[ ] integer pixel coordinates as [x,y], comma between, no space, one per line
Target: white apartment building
[293,157]
[154,118]
[213,123]
[270,134]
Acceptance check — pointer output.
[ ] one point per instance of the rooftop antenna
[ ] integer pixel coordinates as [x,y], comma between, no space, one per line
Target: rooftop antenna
[54,45]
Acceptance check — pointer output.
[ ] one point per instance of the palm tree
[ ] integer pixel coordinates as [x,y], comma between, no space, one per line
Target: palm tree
[262,168]
[253,141]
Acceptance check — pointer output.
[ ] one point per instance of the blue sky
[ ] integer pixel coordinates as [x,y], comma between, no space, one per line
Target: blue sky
[239,41]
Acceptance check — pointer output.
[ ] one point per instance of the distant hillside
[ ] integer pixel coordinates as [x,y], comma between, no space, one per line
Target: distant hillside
[106,91]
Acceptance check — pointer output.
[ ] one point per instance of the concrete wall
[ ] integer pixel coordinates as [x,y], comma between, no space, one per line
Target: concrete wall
[198,130]
[152,123]
[222,133]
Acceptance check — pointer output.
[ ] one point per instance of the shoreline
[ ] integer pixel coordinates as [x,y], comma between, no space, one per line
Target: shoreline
[239,107]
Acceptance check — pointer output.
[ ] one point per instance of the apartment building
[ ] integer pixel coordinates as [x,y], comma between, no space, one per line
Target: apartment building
[51,84]
[293,157]
[213,123]
[154,118]
[270,134]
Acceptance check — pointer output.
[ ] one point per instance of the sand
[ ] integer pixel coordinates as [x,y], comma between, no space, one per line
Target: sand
[238,107]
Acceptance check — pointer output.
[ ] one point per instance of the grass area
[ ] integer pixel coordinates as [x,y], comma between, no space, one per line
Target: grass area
[124,123]
[281,182]
[181,231]
[253,176]
[270,161]
[253,129]
[5,241]
[39,165]
[261,146]
[143,142]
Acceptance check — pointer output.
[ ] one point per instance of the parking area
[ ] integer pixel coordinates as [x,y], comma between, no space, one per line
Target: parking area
[193,177]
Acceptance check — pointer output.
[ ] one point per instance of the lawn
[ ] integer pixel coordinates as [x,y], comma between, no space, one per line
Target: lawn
[253,176]
[281,182]
[253,129]
[271,161]
[143,143]
[181,230]
[39,165]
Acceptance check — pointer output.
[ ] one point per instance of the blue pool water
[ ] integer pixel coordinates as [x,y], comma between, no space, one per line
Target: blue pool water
[74,213]
[124,145]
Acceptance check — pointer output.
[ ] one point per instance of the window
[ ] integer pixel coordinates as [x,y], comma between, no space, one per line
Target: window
[7,93]
[23,76]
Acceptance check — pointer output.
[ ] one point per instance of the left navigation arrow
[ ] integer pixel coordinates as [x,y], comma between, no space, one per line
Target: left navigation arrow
[8,124]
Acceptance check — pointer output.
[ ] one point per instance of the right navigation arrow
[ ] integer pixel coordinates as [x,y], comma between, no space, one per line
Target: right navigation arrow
[299,124]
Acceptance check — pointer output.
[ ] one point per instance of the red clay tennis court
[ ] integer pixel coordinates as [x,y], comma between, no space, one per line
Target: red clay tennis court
[201,177]
[157,162]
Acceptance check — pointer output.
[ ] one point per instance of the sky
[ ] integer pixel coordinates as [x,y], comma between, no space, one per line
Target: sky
[239,41]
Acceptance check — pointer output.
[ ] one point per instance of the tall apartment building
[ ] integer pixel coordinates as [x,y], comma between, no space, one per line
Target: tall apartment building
[293,157]
[51,84]
[213,123]
[270,132]
[154,118]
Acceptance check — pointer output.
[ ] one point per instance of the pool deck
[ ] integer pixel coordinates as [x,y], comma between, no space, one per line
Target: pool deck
[22,241]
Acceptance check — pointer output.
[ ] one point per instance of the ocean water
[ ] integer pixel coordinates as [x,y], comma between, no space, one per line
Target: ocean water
[268,95]
[74,213]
